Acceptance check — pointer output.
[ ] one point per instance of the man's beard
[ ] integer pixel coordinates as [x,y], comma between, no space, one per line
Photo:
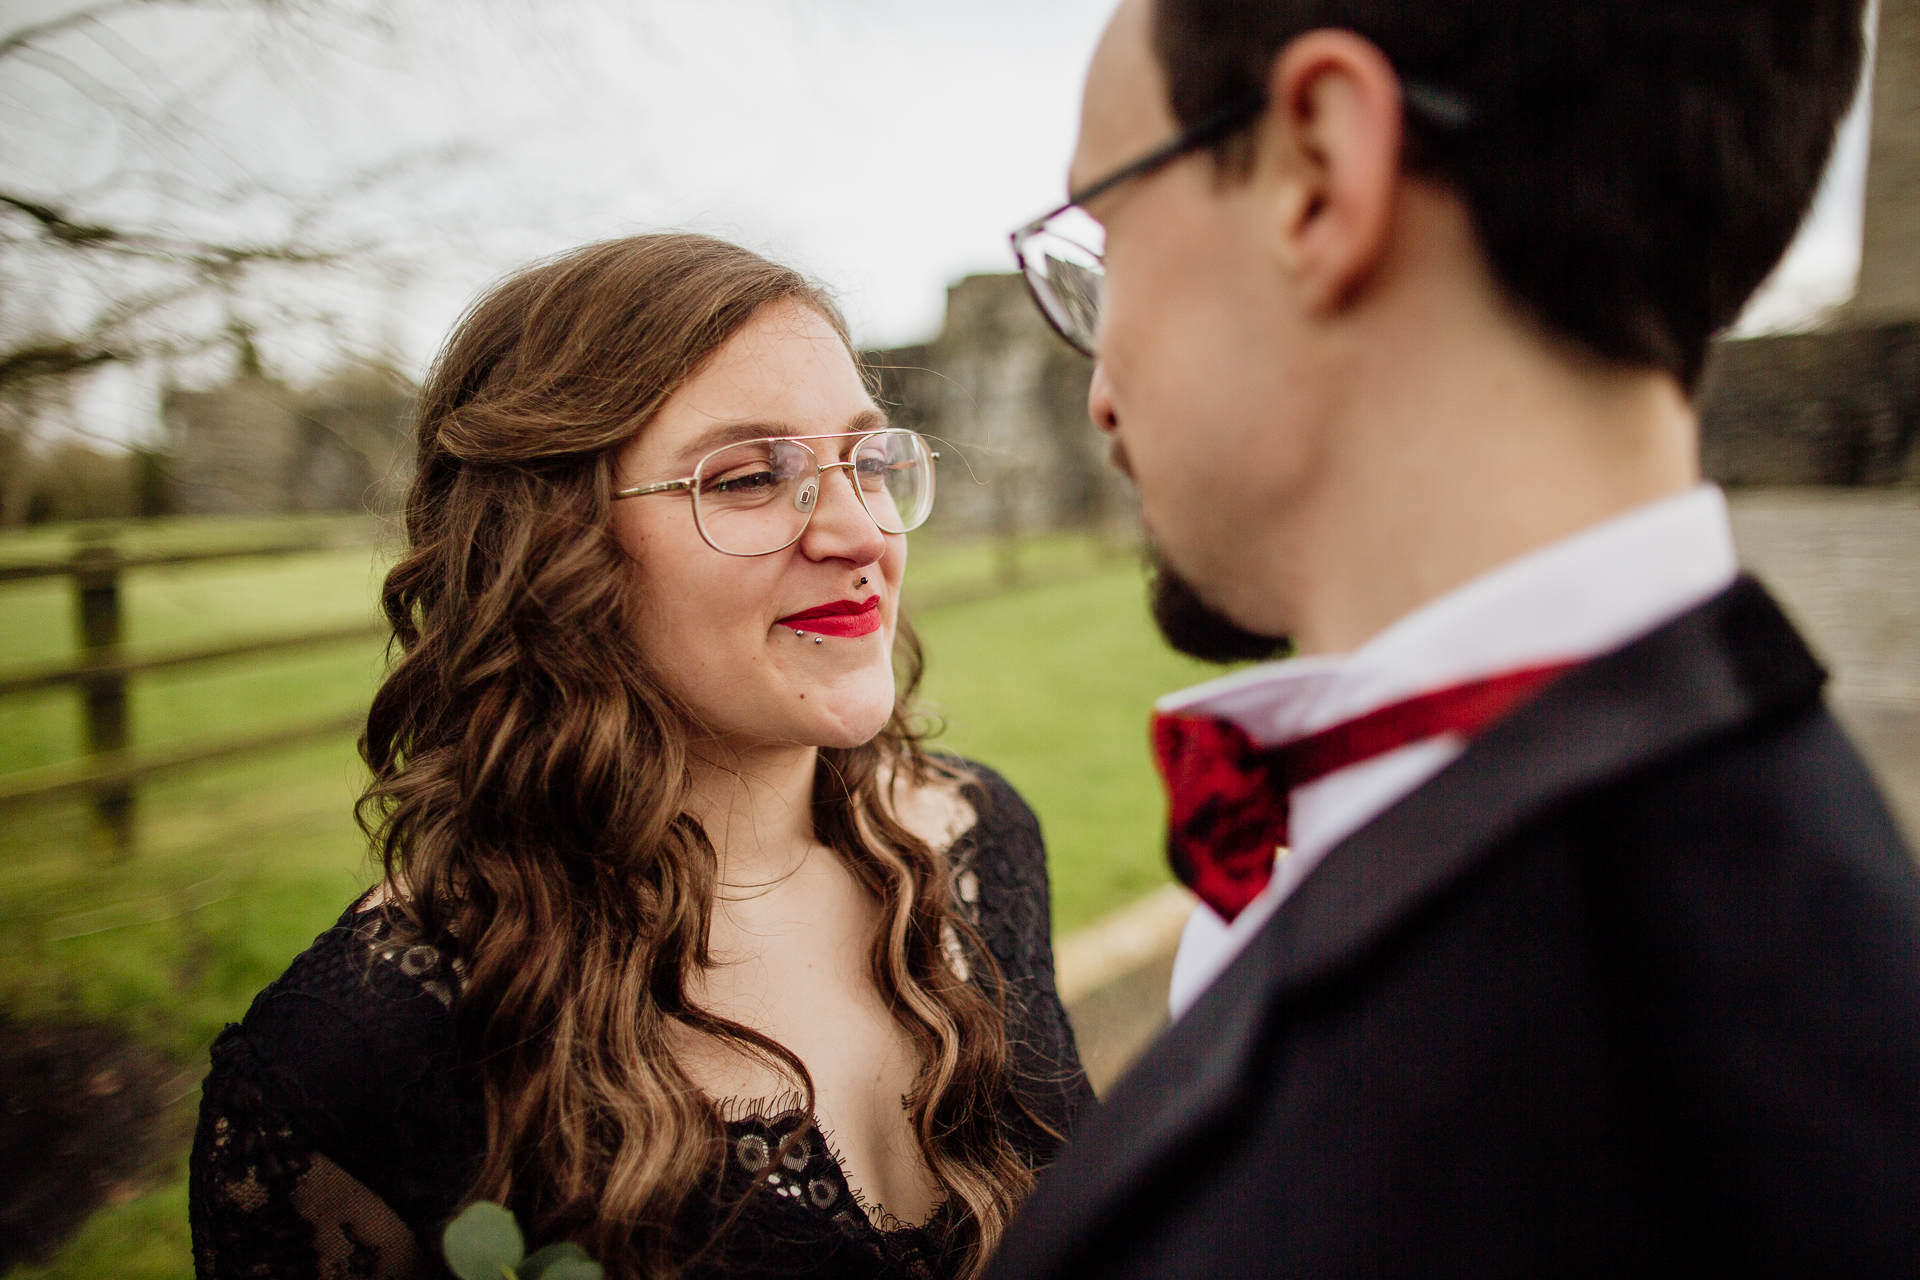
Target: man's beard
[1194,628]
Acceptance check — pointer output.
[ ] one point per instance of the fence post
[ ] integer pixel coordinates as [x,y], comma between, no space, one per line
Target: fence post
[96,594]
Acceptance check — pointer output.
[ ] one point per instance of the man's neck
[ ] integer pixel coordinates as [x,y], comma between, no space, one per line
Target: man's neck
[1469,439]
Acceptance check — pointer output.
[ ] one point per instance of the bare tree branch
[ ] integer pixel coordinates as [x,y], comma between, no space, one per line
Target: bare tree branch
[165,243]
[59,360]
[71,232]
[58,225]
[20,37]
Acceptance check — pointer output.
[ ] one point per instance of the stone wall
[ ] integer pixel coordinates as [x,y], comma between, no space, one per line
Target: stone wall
[1838,407]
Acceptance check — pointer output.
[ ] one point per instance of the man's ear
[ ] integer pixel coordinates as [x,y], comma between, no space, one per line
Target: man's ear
[1331,155]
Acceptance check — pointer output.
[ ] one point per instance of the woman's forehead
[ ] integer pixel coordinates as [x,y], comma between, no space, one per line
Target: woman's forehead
[781,375]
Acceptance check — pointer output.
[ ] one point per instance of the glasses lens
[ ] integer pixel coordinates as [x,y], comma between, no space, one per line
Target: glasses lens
[1065,271]
[895,473]
[755,497]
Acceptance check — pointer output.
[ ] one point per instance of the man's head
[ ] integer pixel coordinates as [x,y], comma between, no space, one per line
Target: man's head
[1607,181]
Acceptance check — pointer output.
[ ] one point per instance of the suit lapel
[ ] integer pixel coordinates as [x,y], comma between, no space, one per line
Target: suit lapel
[1727,664]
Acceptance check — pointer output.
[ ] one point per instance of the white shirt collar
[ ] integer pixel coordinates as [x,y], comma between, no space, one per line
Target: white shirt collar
[1573,599]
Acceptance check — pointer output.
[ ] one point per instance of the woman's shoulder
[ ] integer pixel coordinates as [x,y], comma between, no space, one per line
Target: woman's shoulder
[356,1018]
[351,1054]
[1001,881]
[1003,825]
[1000,865]
[974,789]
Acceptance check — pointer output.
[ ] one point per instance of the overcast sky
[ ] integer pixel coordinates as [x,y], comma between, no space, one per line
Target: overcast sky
[887,146]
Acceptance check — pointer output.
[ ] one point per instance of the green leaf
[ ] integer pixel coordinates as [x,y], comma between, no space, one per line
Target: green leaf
[483,1243]
[563,1261]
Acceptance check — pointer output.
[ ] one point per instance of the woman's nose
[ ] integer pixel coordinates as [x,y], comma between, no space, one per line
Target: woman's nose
[841,528]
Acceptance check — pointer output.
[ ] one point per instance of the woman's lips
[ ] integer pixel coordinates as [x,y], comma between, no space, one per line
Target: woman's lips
[843,618]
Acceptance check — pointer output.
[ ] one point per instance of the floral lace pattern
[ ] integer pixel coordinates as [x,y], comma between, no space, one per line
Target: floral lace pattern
[777,1150]
[339,1129]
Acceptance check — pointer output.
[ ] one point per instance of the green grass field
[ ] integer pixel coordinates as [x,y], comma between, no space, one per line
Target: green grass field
[242,863]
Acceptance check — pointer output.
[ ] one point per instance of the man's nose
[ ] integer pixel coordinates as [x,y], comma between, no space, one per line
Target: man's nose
[1100,401]
[1107,418]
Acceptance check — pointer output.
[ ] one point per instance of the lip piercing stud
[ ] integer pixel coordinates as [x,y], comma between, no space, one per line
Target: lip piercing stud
[819,639]
[798,632]
[861,583]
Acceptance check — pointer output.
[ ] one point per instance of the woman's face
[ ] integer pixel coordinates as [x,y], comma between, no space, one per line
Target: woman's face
[719,629]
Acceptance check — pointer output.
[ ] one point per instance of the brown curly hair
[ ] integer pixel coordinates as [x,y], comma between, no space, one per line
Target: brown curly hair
[530,777]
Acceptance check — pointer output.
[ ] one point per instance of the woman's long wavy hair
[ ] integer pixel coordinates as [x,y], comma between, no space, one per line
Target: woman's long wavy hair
[530,778]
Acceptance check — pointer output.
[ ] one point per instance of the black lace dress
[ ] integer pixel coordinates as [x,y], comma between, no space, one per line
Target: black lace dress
[339,1127]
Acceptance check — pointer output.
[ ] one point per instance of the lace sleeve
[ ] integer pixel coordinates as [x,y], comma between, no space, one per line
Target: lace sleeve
[266,1205]
[1003,888]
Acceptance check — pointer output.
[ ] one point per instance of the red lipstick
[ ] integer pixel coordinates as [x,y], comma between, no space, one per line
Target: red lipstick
[843,618]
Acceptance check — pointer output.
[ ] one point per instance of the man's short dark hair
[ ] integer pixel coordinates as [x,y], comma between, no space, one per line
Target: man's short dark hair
[1634,168]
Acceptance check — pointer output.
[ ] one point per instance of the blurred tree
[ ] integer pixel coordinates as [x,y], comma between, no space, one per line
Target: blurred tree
[70,480]
[135,225]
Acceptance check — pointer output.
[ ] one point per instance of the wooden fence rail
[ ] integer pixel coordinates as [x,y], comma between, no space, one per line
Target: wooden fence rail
[112,769]
[25,679]
[99,555]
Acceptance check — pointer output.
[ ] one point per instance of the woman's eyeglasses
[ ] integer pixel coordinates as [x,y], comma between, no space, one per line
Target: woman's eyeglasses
[756,497]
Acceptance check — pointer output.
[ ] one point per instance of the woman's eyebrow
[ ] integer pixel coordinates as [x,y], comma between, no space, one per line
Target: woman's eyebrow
[734,432]
[729,433]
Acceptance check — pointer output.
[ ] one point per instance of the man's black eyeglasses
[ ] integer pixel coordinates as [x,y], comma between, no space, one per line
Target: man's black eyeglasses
[1062,252]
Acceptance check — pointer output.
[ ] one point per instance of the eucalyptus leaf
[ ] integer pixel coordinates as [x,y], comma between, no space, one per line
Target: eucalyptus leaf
[483,1243]
[563,1261]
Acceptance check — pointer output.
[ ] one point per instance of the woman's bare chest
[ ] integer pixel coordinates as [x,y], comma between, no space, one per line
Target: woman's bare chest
[794,961]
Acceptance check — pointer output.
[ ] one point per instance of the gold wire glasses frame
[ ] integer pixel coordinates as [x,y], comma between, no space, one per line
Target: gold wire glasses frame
[756,497]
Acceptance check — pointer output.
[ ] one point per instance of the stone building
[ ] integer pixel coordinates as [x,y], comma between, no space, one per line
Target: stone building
[255,446]
[1008,400]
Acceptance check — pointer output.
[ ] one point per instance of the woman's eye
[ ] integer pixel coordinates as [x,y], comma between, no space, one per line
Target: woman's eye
[742,481]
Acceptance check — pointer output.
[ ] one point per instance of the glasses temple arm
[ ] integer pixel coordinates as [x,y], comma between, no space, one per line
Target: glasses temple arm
[665,486]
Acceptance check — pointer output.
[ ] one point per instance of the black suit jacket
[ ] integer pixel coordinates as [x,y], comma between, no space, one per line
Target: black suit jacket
[1632,988]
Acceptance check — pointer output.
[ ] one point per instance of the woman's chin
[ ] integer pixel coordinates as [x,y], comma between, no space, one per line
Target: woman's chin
[851,730]
[845,711]
[852,718]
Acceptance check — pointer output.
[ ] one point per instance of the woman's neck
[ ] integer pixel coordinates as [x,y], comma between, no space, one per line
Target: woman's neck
[756,805]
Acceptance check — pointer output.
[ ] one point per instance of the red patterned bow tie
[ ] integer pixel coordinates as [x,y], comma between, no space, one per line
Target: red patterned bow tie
[1227,798]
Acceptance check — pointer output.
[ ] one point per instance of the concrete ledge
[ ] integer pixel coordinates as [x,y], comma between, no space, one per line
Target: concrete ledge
[1113,978]
[1111,948]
